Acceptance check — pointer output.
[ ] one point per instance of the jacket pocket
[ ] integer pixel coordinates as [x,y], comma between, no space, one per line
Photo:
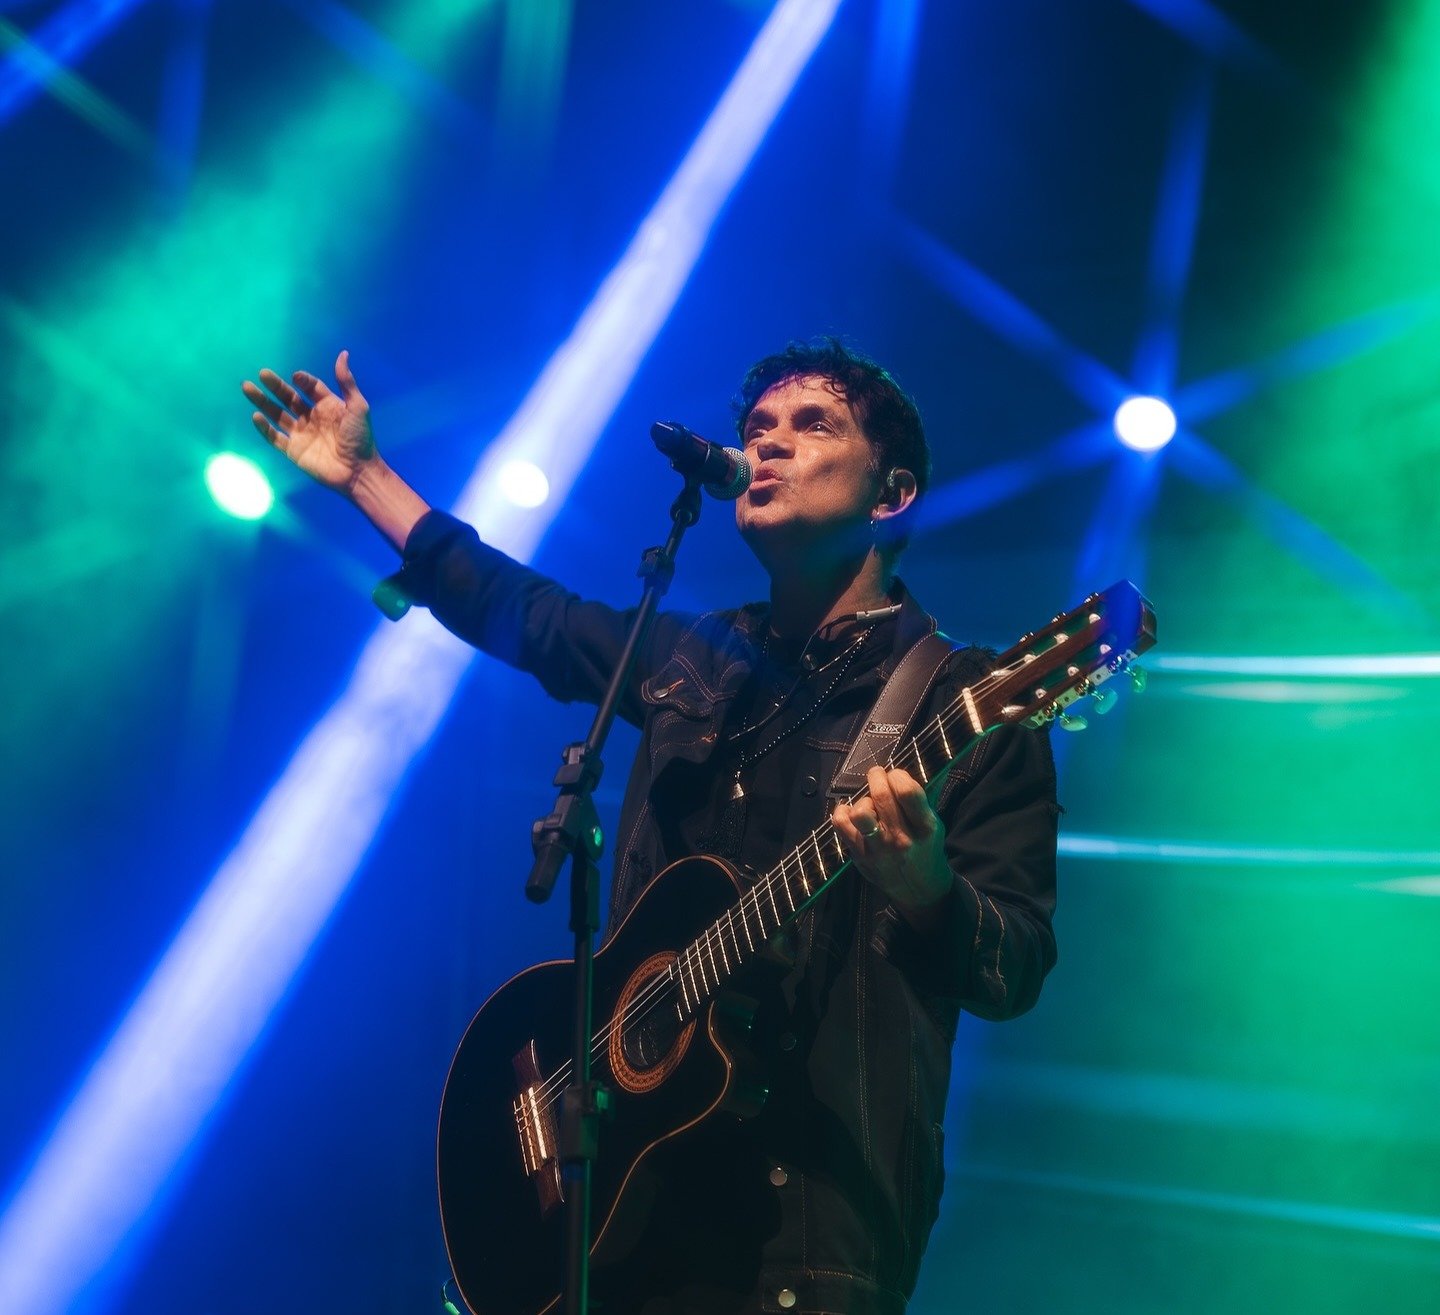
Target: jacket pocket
[674,688]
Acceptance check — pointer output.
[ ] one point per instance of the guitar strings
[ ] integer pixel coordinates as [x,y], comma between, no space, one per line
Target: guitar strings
[655,992]
[658,988]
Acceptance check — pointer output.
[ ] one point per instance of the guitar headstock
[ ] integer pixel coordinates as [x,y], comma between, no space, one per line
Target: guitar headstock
[1033,682]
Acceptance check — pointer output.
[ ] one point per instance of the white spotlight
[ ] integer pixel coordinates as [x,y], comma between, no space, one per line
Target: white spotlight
[1144,424]
[524,483]
[238,486]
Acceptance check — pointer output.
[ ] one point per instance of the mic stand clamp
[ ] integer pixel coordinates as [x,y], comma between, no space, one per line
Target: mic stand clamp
[572,829]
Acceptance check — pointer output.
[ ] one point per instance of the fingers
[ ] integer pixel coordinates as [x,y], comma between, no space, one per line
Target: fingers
[349,389]
[848,826]
[269,433]
[895,841]
[288,396]
[297,399]
[856,821]
[267,405]
[900,804]
[270,419]
[312,385]
[912,807]
[865,836]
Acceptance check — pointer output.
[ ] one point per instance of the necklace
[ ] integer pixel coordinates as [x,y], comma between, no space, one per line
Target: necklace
[728,834]
[843,661]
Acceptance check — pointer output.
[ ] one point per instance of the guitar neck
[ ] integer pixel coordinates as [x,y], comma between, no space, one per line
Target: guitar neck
[807,871]
[1030,684]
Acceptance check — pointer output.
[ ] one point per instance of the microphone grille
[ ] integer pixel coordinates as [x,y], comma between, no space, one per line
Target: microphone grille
[734,487]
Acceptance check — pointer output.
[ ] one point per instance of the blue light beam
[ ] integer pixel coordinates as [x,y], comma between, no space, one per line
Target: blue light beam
[62,41]
[93,1189]
[887,96]
[1115,543]
[1010,319]
[982,489]
[1197,460]
[76,95]
[183,97]
[1199,401]
[1172,244]
[374,53]
[1221,38]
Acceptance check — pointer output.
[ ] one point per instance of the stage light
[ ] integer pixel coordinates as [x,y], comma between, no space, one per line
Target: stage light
[1144,424]
[239,486]
[524,483]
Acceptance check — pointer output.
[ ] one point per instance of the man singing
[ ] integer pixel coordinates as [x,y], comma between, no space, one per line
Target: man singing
[824,1201]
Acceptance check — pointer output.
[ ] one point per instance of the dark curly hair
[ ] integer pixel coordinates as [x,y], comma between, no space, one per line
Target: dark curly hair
[887,416]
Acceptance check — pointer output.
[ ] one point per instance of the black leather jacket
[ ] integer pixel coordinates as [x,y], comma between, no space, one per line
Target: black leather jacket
[834,1189]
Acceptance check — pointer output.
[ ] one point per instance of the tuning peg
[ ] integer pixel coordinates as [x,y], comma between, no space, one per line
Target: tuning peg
[1138,678]
[1103,700]
[1069,721]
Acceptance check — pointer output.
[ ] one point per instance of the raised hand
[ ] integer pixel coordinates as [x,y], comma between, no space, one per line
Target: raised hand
[326,434]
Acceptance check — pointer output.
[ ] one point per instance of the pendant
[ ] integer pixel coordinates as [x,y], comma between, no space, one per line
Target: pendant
[737,791]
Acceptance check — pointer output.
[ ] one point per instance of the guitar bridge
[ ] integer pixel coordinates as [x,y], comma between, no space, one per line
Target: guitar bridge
[535,1127]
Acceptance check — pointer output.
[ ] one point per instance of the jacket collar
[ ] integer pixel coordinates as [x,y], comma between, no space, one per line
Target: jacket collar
[913,624]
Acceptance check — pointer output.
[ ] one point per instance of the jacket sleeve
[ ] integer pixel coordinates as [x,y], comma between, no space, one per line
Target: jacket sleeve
[993,945]
[524,618]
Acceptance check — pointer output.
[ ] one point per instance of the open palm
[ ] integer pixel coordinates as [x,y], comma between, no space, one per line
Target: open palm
[326,434]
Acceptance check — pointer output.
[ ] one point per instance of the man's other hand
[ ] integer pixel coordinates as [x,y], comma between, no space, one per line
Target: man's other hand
[898,843]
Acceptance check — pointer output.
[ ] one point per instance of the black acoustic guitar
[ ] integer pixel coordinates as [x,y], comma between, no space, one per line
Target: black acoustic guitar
[667,1040]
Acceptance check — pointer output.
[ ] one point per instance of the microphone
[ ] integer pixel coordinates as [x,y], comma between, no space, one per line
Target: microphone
[724,472]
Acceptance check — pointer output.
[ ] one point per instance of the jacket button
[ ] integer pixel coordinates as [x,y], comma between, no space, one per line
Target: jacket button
[809,785]
[785,1297]
[778,1176]
[787,1040]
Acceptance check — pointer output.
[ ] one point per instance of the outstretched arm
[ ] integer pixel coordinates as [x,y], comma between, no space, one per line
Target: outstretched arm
[328,436]
[475,590]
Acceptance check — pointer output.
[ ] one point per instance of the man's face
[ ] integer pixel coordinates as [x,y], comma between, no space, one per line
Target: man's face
[815,484]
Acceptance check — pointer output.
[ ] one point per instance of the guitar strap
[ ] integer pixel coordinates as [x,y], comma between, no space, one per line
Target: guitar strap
[900,699]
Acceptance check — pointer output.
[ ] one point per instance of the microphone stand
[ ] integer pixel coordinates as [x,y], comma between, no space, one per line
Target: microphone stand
[572,829]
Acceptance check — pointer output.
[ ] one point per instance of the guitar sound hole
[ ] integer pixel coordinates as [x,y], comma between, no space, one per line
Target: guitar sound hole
[650,1039]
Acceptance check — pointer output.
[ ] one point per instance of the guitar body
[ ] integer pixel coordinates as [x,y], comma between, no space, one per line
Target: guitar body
[500,1208]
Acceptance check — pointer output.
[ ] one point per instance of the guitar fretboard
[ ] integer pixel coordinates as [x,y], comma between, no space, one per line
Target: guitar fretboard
[1029,684]
[783,893]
